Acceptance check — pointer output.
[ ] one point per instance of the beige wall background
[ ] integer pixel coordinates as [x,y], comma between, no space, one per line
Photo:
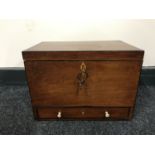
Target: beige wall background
[17,35]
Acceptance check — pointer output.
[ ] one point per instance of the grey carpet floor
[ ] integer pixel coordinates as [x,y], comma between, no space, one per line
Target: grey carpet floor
[16,117]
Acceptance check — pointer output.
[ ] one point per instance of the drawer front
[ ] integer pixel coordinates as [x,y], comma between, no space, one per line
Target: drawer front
[78,83]
[83,113]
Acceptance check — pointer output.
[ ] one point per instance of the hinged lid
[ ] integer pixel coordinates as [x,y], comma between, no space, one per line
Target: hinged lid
[83,50]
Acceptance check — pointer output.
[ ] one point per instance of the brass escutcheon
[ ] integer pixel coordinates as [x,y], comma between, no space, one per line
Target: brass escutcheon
[83,75]
[83,67]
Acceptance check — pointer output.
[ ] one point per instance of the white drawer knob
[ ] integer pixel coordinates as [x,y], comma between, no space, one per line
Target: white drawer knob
[107,115]
[59,114]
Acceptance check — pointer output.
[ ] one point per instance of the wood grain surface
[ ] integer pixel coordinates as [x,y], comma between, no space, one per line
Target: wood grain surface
[109,83]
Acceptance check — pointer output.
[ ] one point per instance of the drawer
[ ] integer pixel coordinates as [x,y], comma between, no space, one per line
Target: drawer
[82,113]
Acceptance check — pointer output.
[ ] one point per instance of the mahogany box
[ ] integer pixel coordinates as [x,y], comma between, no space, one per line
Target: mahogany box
[87,80]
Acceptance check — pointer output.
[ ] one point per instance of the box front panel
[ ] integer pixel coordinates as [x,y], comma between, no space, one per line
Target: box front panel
[83,83]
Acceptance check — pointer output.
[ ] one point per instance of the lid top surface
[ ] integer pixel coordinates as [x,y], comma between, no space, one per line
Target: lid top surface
[82,46]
